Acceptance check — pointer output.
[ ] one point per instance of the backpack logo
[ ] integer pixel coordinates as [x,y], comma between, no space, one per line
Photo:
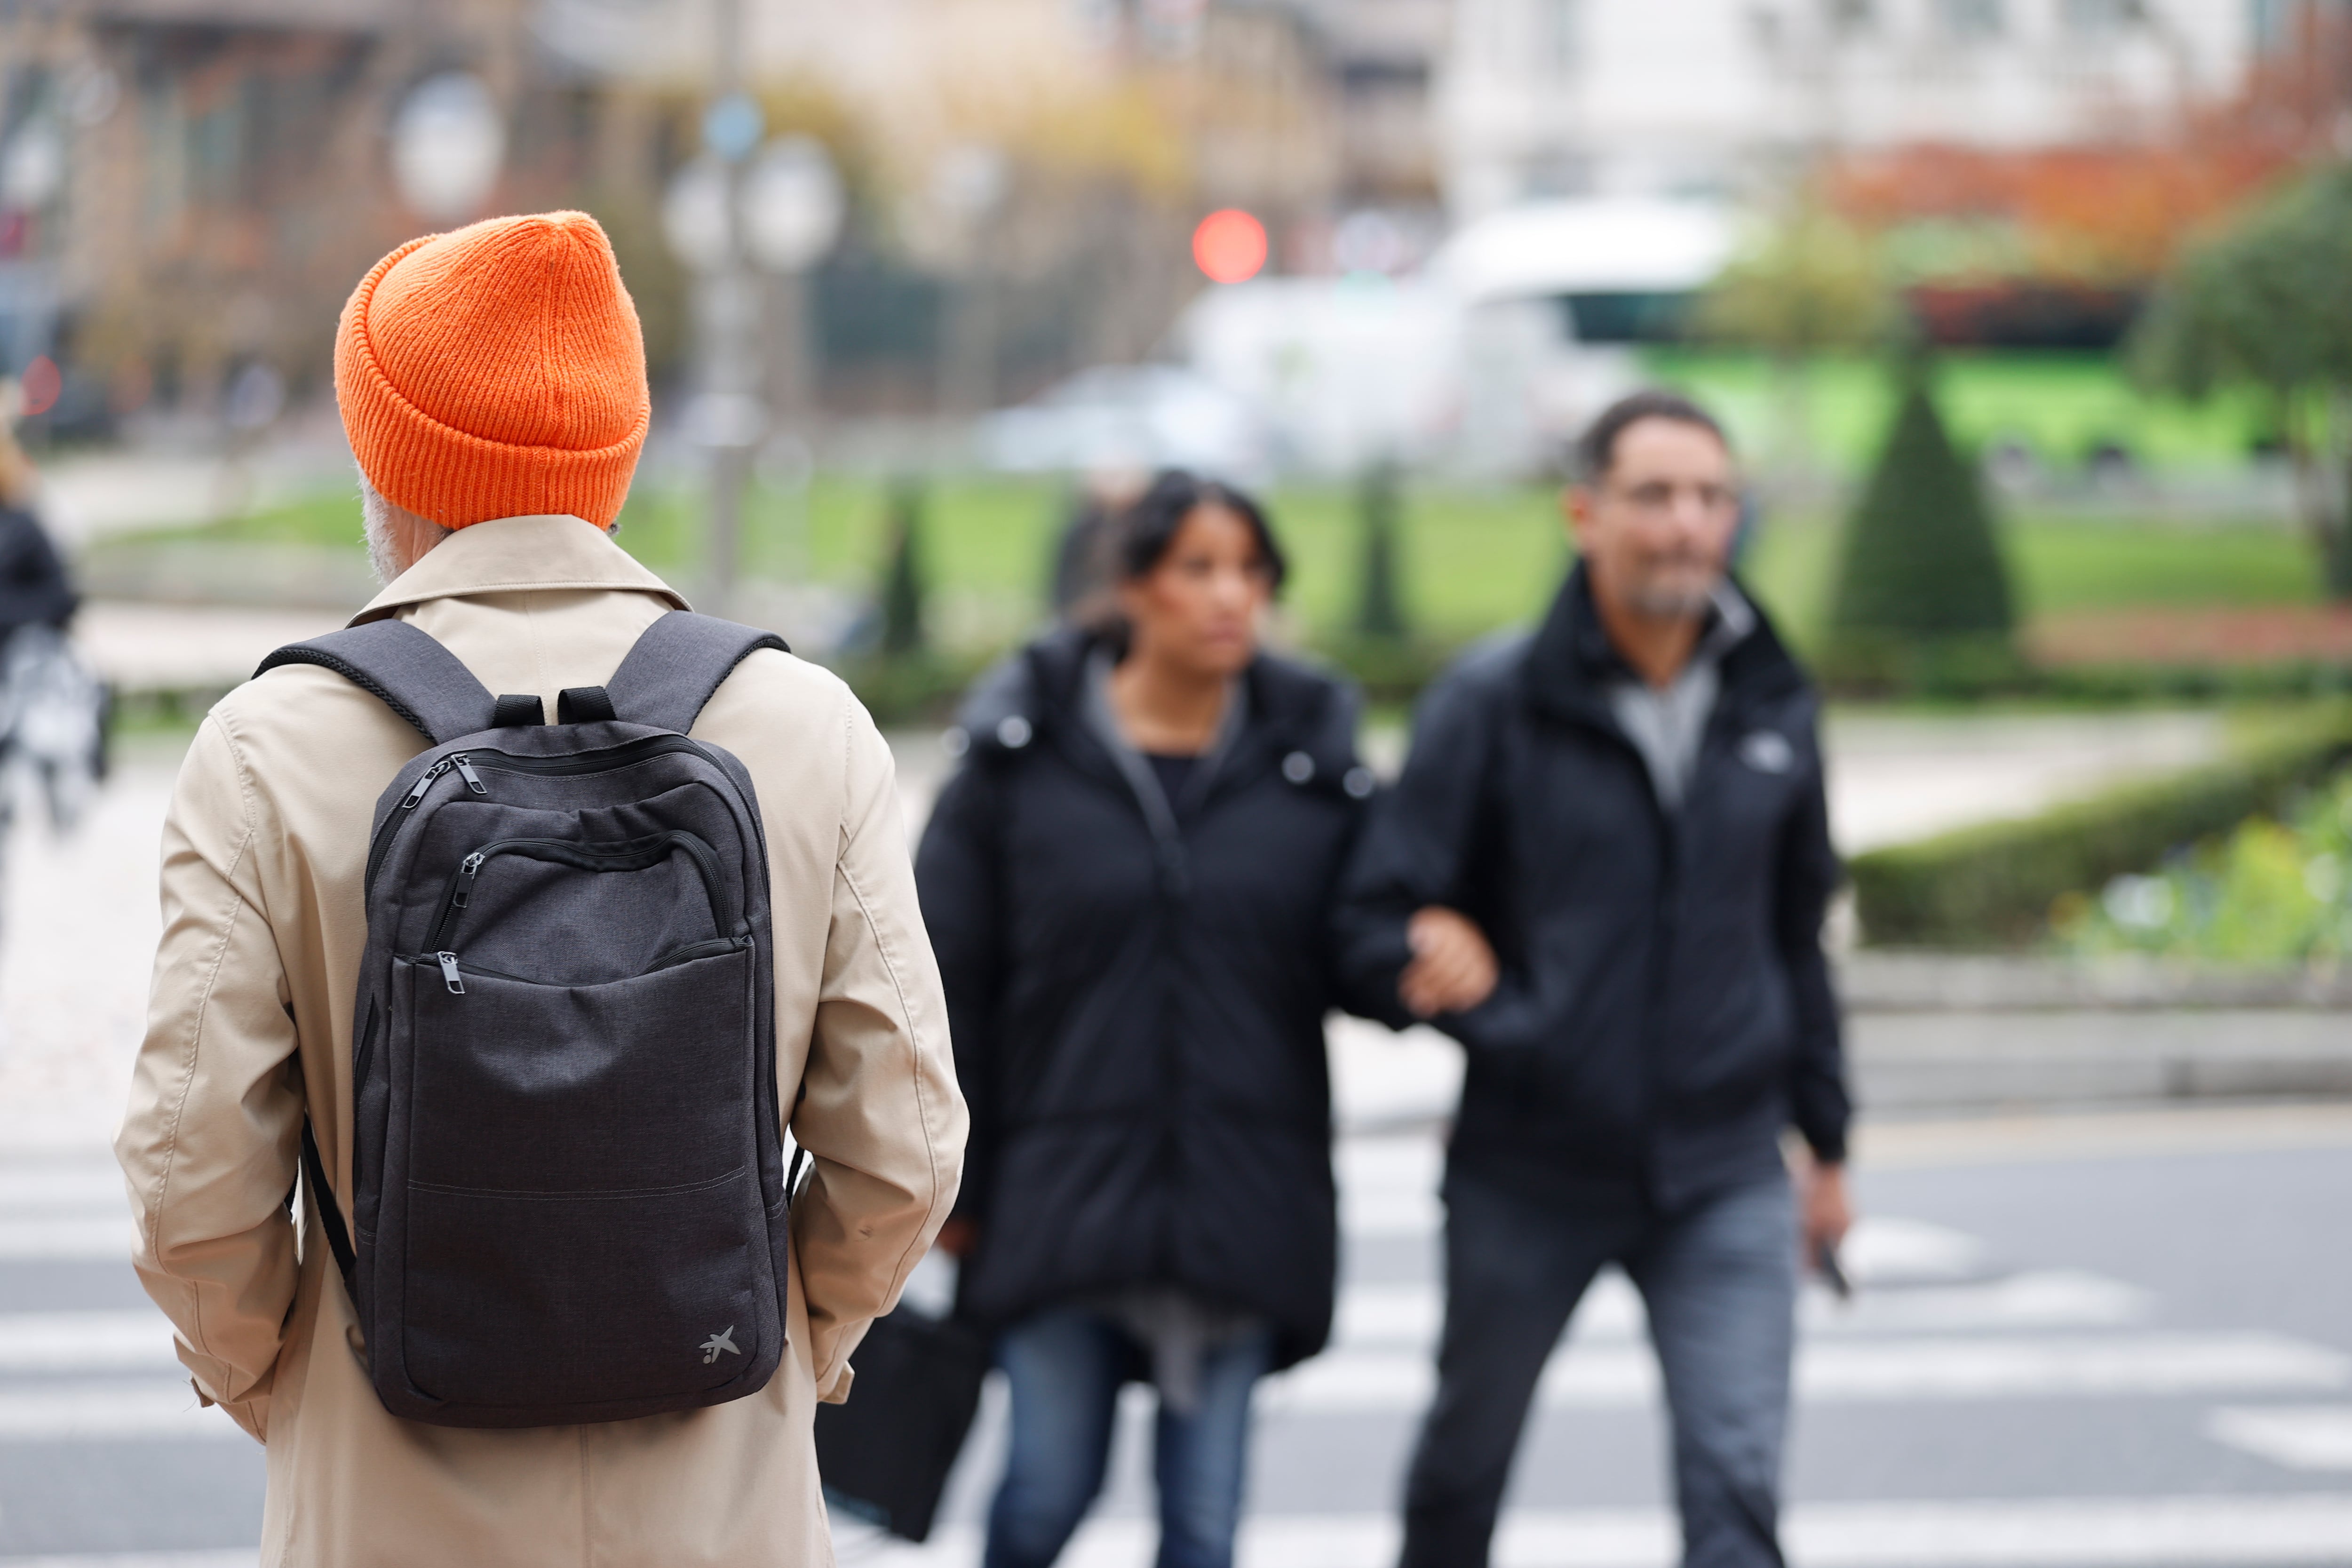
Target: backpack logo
[724,1340]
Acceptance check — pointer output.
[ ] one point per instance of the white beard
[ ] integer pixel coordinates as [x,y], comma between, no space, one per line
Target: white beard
[397,538]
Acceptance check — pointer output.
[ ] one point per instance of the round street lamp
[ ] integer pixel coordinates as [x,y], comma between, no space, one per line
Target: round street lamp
[792,205]
[448,140]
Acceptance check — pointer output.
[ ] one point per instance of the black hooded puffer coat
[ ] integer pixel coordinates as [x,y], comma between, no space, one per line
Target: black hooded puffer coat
[1138,1010]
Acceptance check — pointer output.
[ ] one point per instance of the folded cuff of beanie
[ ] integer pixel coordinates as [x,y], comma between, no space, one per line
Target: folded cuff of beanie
[454,478]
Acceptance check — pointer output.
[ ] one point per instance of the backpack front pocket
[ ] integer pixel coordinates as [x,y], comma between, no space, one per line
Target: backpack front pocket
[563,912]
[583,1205]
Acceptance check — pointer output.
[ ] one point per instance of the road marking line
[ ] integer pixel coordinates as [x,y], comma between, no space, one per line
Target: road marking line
[63,1342]
[2301,1437]
[1617,1377]
[69,1238]
[77,1184]
[1611,1309]
[51,1412]
[2057,1532]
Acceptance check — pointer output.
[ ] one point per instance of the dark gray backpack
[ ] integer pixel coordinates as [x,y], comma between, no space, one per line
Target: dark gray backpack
[569,1189]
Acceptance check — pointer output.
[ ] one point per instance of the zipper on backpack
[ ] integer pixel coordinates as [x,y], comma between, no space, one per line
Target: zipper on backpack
[608,760]
[670,960]
[650,852]
[470,766]
[449,973]
[467,869]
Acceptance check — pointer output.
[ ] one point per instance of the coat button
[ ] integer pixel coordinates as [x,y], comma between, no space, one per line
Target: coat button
[1358,783]
[1013,732]
[1298,767]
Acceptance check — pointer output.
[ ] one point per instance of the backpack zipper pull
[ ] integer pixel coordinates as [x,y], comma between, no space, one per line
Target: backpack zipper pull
[467,869]
[424,781]
[449,973]
[465,771]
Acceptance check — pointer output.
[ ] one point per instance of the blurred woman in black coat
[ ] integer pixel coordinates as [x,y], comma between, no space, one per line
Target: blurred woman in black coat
[1129,885]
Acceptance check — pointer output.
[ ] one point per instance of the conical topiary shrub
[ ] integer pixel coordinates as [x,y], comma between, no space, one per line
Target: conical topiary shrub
[903,585]
[1380,613]
[1921,591]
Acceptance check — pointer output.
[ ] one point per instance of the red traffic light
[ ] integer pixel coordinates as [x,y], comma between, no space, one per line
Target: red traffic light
[1229,245]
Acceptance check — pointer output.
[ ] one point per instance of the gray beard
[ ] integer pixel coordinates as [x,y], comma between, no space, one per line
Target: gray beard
[397,538]
[1660,603]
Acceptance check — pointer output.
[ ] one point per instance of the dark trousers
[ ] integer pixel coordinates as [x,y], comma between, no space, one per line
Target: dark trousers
[1064,1367]
[1719,1281]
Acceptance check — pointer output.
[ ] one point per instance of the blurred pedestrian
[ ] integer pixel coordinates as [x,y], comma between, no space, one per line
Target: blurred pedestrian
[34,588]
[1604,871]
[1086,554]
[1130,887]
[492,383]
[53,709]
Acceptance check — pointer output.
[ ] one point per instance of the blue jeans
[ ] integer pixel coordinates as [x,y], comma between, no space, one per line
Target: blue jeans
[1720,1284]
[1065,1367]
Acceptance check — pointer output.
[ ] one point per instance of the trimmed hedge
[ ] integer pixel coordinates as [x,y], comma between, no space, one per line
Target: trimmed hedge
[1992,885]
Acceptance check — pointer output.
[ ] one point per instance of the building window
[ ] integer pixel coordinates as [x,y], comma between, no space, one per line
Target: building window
[2100,18]
[1560,34]
[1847,18]
[1970,19]
[2272,23]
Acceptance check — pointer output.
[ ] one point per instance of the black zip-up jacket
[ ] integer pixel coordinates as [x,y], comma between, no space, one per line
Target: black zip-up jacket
[1665,1008]
[1138,1000]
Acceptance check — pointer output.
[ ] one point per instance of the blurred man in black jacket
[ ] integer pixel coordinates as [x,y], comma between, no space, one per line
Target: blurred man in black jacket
[1604,872]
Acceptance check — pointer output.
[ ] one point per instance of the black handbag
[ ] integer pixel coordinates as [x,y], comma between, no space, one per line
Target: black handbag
[884,1455]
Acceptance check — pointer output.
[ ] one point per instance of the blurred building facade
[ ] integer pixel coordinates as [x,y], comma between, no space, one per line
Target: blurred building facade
[189,187]
[1709,97]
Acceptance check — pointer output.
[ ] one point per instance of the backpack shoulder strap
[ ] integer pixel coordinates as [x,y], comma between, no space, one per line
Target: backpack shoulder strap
[415,676]
[677,664]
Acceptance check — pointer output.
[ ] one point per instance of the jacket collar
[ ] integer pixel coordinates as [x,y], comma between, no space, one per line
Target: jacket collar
[1041,693]
[512,555]
[1571,662]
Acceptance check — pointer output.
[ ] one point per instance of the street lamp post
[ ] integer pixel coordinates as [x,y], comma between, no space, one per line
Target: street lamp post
[725,212]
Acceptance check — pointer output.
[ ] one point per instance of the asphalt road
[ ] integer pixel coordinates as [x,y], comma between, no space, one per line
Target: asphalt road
[2097,1339]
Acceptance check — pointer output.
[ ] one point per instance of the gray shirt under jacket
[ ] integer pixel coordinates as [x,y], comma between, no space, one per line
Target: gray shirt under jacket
[1667,723]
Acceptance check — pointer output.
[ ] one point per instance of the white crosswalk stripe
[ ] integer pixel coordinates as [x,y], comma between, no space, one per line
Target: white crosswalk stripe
[2056,1533]
[1938,1321]
[1608,1377]
[2303,1438]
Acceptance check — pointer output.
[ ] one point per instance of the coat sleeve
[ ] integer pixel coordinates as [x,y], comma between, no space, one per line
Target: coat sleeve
[879,1110]
[208,1145]
[957,871]
[1809,874]
[1415,851]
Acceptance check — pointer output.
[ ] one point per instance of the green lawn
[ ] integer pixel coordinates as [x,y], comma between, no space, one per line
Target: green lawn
[2059,405]
[1472,559]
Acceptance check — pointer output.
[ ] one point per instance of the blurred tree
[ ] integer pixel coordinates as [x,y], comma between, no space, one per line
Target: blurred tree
[1380,613]
[2264,303]
[1812,283]
[1921,575]
[904,586]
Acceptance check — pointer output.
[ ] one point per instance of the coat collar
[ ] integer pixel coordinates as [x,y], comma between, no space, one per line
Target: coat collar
[1571,661]
[519,554]
[1040,692]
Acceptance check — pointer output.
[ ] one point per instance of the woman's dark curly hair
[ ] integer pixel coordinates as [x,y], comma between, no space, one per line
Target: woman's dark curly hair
[1149,530]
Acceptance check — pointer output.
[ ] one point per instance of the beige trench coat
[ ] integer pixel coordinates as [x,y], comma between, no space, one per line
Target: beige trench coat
[251,1014]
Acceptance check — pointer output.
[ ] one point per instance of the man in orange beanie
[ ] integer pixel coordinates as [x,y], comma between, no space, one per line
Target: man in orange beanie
[492,383]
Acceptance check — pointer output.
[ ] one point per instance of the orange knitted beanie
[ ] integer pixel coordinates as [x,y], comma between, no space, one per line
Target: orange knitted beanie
[495,371]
